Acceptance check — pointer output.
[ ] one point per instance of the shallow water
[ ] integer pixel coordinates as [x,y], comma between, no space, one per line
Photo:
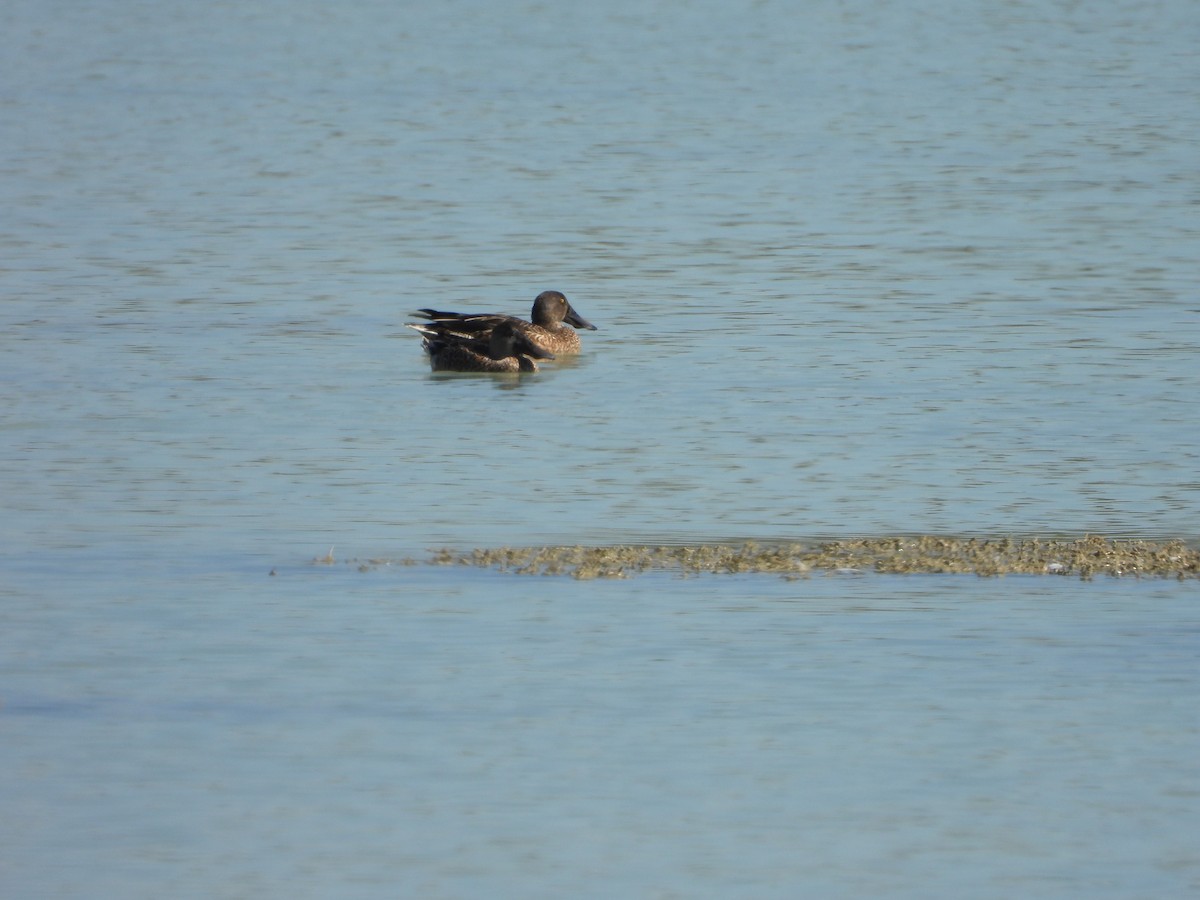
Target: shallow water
[859,270]
[436,732]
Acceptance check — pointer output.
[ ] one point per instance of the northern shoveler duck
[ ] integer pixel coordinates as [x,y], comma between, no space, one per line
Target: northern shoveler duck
[503,349]
[552,314]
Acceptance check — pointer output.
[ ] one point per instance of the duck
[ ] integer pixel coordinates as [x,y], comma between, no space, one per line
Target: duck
[549,329]
[503,349]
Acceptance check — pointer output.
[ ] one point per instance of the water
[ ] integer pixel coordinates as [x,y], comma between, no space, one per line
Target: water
[400,732]
[858,269]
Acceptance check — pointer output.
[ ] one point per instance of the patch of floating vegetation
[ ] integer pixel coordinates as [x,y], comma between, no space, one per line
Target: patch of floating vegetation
[1084,558]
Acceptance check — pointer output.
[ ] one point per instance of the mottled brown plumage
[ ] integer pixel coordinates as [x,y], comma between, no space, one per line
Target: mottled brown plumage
[502,349]
[552,315]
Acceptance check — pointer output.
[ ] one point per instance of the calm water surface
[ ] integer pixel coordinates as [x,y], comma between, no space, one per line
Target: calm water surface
[859,268]
[401,732]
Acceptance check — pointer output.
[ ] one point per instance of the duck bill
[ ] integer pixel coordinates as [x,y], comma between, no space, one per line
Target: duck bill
[574,318]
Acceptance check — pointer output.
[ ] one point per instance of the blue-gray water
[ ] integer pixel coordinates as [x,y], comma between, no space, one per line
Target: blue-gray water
[859,268]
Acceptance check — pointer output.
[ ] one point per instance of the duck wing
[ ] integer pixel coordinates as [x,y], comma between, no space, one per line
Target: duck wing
[467,323]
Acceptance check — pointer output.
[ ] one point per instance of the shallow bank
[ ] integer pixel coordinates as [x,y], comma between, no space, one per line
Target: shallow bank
[1084,558]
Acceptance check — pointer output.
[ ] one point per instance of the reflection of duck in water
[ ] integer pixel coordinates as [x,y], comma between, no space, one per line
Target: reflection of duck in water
[552,314]
[505,348]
